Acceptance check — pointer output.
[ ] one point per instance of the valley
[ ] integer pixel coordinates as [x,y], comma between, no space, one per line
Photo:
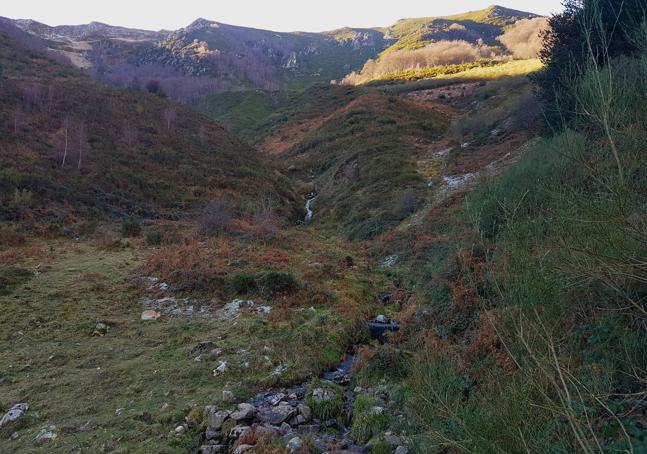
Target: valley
[225,240]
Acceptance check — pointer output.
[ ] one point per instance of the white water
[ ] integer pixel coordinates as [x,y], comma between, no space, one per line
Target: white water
[309,212]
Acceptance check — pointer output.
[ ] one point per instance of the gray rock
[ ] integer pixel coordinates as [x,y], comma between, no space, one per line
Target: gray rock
[277,415]
[46,435]
[245,411]
[294,445]
[238,431]
[212,434]
[100,329]
[402,450]
[392,439]
[212,449]
[214,417]
[17,411]
[297,421]
[243,448]
[305,411]
[276,399]
[323,394]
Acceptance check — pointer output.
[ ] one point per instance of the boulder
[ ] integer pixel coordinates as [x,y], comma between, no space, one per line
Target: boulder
[212,449]
[100,329]
[243,448]
[277,415]
[46,435]
[17,411]
[305,411]
[238,431]
[150,315]
[245,411]
[294,445]
[214,417]
[401,450]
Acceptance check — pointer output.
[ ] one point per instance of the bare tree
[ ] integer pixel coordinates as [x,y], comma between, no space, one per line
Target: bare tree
[129,134]
[216,217]
[169,117]
[82,140]
[18,120]
[65,133]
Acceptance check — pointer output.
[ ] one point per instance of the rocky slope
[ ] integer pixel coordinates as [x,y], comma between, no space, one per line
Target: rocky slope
[208,56]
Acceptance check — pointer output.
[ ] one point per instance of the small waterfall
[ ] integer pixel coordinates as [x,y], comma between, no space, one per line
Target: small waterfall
[309,213]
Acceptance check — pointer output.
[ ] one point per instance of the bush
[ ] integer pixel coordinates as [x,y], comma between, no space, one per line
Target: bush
[216,217]
[244,283]
[154,238]
[277,282]
[130,228]
[325,408]
[369,419]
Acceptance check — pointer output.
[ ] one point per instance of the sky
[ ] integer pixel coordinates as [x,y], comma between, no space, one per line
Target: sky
[278,15]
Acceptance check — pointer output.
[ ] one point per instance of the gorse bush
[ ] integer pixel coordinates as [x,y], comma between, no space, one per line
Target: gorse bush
[130,228]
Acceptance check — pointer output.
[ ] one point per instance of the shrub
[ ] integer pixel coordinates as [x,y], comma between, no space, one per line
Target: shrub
[331,405]
[277,282]
[523,39]
[216,217]
[369,419]
[12,277]
[130,228]
[244,283]
[154,238]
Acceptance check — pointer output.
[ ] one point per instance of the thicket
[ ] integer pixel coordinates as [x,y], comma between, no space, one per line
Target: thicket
[552,357]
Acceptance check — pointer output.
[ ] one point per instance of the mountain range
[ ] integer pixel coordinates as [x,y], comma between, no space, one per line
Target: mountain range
[208,56]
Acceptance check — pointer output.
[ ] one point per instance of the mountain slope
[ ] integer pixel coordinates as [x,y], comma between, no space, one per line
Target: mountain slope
[72,146]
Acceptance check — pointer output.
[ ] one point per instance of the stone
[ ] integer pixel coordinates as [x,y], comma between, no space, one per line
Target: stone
[212,449]
[179,430]
[277,398]
[221,369]
[277,415]
[323,394]
[389,261]
[150,315]
[202,348]
[215,353]
[401,450]
[294,445]
[243,448]
[297,421]
[17,411]
[245,411]
[212,434]
[382,319]
[392,439]
[376,410]
[305,411]
[100,329]
[215,418]
[228,396]
[46,435]
[238,431]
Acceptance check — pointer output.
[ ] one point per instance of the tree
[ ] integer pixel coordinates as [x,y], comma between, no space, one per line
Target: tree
[65,134]
[588,31]
[82,142]
[169,117]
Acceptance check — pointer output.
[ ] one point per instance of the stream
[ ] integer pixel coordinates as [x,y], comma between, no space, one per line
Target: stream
[309,213]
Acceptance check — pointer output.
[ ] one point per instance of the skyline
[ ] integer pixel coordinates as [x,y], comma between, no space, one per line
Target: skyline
[333,14]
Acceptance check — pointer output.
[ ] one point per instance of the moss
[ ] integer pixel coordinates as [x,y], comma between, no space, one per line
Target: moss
[325,409]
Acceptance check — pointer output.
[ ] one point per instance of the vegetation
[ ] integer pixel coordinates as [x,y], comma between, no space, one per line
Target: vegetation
[326,406]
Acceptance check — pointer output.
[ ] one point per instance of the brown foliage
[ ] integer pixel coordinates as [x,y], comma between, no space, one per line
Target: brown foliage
[523,39]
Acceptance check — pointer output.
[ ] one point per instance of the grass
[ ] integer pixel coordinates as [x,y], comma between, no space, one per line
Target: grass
[146,369]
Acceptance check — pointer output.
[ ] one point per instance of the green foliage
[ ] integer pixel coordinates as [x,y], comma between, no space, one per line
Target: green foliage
[590,32]
[130,228]
[369,419]
[275,282]
[331,406]
[244,283]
